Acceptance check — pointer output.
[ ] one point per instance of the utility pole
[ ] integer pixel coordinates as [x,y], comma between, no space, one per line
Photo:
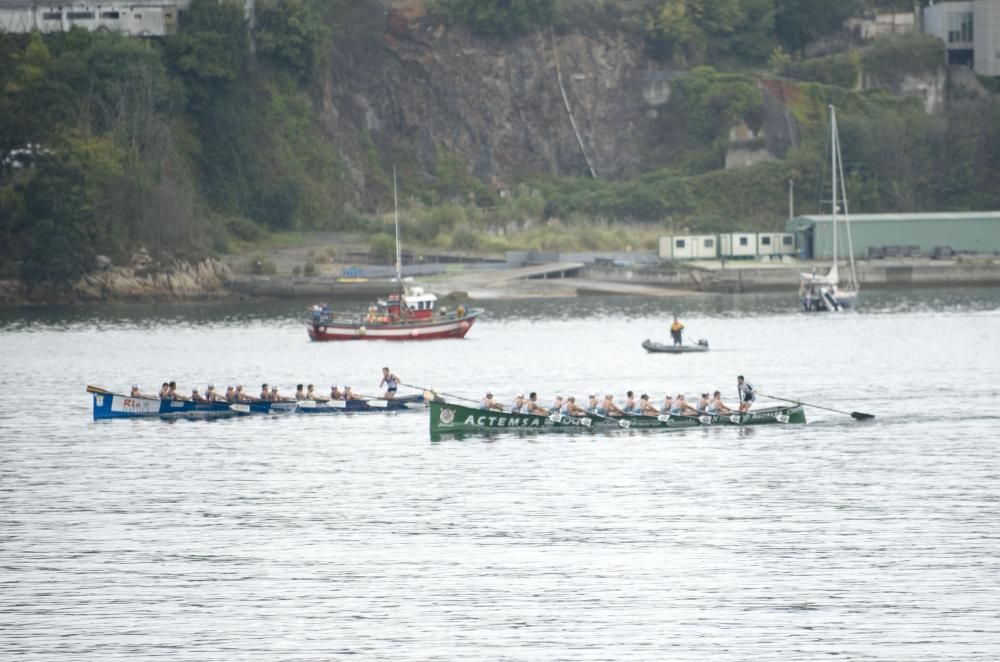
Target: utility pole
[791,199]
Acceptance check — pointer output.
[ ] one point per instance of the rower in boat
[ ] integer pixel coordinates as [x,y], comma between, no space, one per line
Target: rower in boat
[646,408]
[532,406]
[349,394]
[572,409]
[172,394]
[557,405]
[274,397]
[682,408]
[489,403]
[609,408]
[747,394]
[336,394]
[703,403]
[630,405]
[265,394]
[520,406]
[311,392]
[211,395]
[165,391]
[716,406]
[197,397]
[391,382]
[240,395]
[592,404]
[300,392]
[135,392]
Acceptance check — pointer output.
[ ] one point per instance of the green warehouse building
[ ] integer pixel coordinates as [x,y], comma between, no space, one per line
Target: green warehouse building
[898,234]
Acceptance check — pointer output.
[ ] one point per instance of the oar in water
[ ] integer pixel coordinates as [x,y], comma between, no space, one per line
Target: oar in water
[857,415]
[447,395]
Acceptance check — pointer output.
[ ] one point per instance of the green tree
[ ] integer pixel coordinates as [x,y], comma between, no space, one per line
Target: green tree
[798,22]
[210,46]
[292,34]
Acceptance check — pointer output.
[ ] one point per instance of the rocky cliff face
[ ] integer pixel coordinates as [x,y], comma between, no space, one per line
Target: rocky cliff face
[410,85]
[428,88]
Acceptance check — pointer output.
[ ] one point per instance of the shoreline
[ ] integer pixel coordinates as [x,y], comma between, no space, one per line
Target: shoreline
[212,281]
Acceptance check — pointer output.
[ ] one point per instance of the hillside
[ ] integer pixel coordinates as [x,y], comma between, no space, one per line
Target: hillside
[509,123]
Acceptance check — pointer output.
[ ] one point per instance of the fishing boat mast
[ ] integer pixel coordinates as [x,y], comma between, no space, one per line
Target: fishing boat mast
[395,208]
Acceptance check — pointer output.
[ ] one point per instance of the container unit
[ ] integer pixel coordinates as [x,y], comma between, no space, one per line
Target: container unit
[775,243]
[738,244]
[689,247]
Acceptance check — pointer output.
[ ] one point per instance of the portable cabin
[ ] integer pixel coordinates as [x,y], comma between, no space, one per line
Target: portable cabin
[738,244]
[688,247]
[775,243]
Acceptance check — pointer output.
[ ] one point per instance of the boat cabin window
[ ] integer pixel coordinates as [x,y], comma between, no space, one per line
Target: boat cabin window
[787,241]
[765,241]
[743,241]
[679,243]
[710,243]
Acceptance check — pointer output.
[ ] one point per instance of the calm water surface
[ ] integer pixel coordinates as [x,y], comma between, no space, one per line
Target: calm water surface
[339,536]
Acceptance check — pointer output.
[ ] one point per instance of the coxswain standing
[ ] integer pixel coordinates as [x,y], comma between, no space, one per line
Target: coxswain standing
[391,382]
[747,394]
[676,330]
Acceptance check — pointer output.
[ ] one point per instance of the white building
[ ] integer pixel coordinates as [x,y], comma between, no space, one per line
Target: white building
[145,18]
[688,247]
[970,31]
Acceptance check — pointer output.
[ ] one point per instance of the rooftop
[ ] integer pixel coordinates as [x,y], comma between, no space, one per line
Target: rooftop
[939,216]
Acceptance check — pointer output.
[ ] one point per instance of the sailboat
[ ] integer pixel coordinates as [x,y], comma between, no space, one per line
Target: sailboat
[406,314]
[830,293]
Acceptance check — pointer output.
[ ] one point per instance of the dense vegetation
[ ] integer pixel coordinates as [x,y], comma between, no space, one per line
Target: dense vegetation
[213,136]
[109,142]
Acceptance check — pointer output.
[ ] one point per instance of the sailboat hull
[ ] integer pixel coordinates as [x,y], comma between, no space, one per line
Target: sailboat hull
[818,303]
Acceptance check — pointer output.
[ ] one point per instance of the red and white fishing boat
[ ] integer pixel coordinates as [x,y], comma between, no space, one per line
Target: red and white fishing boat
[408,316]
[405,315]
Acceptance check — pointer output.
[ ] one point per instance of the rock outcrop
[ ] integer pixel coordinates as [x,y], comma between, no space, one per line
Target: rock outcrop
[140,281]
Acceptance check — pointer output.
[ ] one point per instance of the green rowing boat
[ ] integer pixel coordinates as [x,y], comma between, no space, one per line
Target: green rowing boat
[449,418]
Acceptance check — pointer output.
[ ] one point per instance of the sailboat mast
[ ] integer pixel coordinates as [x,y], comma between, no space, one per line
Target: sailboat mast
[833,175]
[847,214]
[395,207]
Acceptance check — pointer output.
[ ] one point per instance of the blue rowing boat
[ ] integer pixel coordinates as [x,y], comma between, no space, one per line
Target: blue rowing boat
[108,405]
